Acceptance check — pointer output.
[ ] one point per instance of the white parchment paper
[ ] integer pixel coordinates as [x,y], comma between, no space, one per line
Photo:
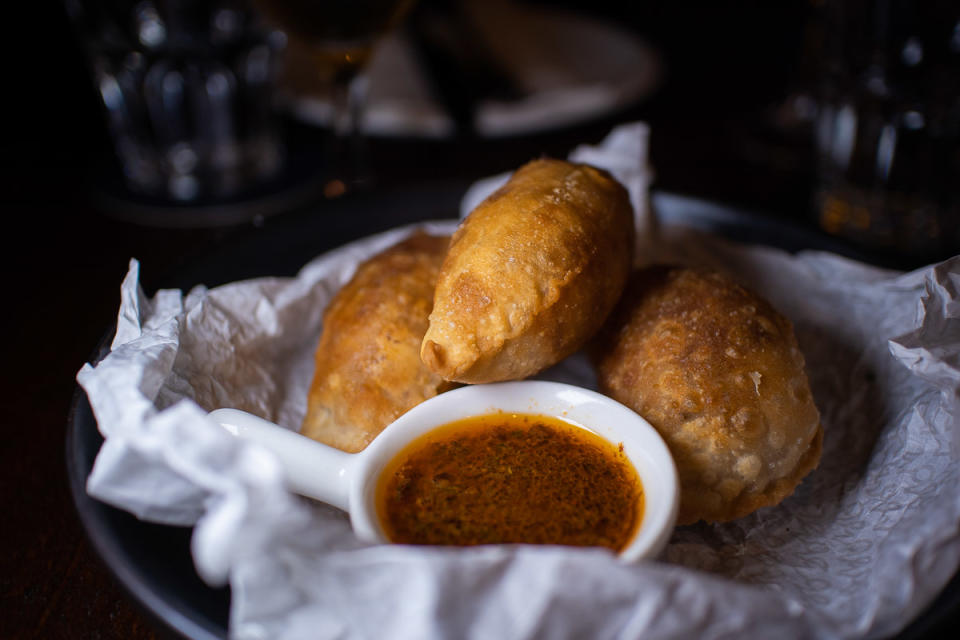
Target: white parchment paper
[865,543]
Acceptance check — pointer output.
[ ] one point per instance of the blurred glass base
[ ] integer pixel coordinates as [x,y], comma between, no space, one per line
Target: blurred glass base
[299,181]
[889,222]
[186,172]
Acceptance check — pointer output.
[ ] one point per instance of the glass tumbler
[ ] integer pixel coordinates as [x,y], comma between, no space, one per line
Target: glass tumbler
[888,131]
[187,89]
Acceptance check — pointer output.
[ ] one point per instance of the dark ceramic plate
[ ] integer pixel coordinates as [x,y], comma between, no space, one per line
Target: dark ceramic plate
[153,562]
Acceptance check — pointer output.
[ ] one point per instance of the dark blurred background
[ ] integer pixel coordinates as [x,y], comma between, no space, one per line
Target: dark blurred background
[719,116]
[723,127]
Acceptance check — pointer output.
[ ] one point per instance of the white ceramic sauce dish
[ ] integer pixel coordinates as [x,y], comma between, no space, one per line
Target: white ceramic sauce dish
[349,480]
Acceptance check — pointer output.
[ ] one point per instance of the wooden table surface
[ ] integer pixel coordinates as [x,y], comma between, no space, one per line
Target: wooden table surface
[65,257]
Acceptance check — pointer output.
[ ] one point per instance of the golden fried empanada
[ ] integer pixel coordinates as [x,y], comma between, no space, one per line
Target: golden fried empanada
[531,273]
[719,374]
[367,364]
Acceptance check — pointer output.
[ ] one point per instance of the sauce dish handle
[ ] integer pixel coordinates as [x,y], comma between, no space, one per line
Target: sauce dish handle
[312,469]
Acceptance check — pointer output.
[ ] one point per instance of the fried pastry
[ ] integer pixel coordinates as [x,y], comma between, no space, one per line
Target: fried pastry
[531,273]
[718,372]
[367,363]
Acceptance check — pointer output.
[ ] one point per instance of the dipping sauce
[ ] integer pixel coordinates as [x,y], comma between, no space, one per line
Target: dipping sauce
[510,478]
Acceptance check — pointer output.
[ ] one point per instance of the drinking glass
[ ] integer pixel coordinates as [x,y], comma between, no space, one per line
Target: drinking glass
[339,37]
[889,125]
[187,90]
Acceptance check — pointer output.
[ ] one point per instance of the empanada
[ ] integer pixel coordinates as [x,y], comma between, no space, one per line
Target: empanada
[718,372]
[367,363]
[531,273]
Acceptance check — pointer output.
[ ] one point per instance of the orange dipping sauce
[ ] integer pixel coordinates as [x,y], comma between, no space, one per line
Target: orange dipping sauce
[510,478]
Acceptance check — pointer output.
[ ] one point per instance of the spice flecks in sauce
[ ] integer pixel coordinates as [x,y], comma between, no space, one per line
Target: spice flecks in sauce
[510,478]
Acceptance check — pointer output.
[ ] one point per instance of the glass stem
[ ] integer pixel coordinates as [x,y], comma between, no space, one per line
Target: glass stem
[349,162]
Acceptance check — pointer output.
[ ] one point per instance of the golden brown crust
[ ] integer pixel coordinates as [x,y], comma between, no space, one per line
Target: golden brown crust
[531,273]
[367,363]
[719,373]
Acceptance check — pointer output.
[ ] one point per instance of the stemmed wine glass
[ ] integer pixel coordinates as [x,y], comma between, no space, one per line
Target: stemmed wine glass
[339,36]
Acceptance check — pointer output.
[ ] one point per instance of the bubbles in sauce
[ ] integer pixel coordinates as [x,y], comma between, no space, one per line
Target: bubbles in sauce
[510,478]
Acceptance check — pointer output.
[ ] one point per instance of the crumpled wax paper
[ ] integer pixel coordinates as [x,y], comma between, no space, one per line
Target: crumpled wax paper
[862,547]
